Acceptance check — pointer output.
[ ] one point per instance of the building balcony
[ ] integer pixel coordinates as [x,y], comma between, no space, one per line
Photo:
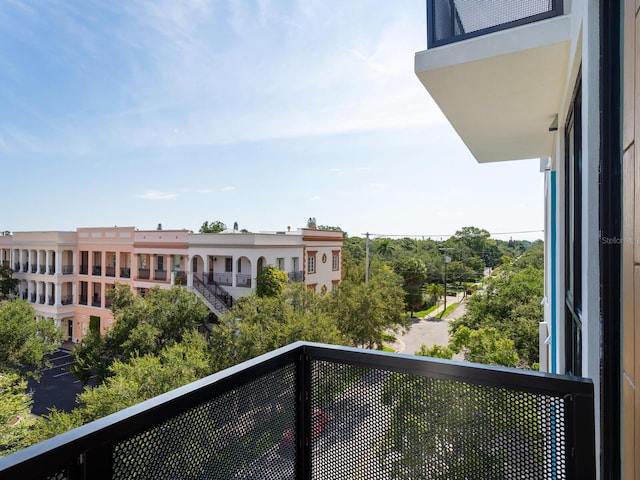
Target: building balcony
[498,72]
[160,275]
[16,267]
[51,301]
[225,279]
[125,272]
[34,269]
[144,274]
[5,263]
[41,299]
[67,270]
[52,269]
[243,280]
[83,300]
[315,411]
[43,269]
[84,269]
[67,299]
[110,271]
[96,270]
[25,295]
[96,302]
[296,276]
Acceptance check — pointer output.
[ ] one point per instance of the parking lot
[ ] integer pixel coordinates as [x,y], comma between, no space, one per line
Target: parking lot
[57,386]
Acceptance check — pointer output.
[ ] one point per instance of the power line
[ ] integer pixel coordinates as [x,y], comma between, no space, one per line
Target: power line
[429,235]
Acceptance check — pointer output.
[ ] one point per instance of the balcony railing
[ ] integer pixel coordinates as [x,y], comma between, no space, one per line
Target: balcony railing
[52,269]
[5,263]
[16,267]
[144,273]
[221,278]
[451,21]
[96,302]
[110,271]
[25,295]
[67,299]
[160,275]
[96,270]
[41,299]
[43,269]
[125,272]
[312,411]
[51,301]
[84,269]
[34,269]
[296,276]
[67,270]
[243,280]
[32,297]
[83,299]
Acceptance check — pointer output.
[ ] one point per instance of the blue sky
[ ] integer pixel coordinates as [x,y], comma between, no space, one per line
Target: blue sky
[262,112]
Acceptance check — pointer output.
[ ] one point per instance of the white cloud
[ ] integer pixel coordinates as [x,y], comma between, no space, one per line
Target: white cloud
[155,195]
[228,188]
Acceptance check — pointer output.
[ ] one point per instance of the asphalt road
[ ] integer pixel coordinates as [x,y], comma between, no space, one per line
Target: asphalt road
[56,386]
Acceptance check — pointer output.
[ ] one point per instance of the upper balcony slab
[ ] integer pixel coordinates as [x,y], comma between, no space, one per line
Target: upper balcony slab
[501,91]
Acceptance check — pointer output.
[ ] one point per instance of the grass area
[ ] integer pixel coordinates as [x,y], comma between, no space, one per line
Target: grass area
[387,337]
[449,309]
[387,349]
[424,313]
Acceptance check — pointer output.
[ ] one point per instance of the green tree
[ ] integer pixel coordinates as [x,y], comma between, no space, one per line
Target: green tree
[8,284]
[142,326]
[216,226]
[511,304]
[257,325]
[365,311]
[484,345]
[434,291]
[24,339]
[435,351]
[15,413]
[271,282]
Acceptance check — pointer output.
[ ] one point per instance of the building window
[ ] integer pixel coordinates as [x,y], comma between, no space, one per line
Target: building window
[280,263]
[228,264]
[295,264]
[239,269]
[160,262]
[573,237]
[335,262]
[334,285]
[143,292]
[311,262]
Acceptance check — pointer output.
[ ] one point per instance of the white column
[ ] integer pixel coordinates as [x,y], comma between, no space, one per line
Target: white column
[48,260]
[58,294]
[254,272]
[234,271]
[74,260]
[59,262]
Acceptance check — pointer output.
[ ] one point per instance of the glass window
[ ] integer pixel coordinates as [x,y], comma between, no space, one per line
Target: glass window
[311,263]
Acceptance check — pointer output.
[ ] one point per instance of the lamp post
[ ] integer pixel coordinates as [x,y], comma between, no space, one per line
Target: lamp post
[446,261]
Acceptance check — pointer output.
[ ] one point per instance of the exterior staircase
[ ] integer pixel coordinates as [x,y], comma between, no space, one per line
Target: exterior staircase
[215,297]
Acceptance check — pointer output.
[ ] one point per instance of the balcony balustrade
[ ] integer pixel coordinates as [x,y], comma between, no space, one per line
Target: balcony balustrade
[32,298]
[96,270]
[51,301]
[25,295]
[5,263]
[52,269]
[144,274]
[296,276]
[83,299]
[84,269]
[125,272]
[110,271]
[451,21]
[41,299]
[34,269]
[67,299]
[43,269]
[16,267]
[67,269]
[221,278]
[324,412]
[160,275]
[25,267]
[96,302]
[108,302]
[243,280]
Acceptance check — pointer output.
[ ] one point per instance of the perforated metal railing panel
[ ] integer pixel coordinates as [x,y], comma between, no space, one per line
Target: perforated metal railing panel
[463,17]
[383,425]
[235,435]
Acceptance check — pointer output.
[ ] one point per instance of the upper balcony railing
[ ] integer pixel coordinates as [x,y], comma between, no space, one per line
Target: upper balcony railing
[313,411]
[450,21]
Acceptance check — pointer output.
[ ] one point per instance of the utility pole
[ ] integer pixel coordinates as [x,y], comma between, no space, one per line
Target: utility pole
[446,261]
[366,261]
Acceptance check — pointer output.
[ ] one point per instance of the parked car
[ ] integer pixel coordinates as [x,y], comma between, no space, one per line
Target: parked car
[318,422]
